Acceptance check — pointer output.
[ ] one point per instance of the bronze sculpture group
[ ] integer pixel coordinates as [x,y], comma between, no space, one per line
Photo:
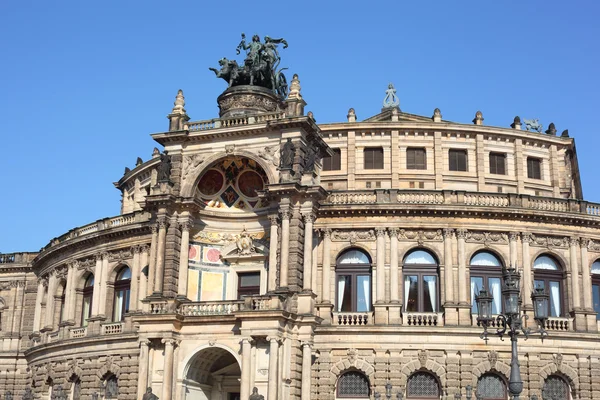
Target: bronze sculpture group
[260,68]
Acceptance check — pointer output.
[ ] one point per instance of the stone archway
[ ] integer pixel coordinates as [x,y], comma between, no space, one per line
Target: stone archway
[213,373]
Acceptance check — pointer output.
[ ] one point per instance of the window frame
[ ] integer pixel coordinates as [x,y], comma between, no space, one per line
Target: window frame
[333,163]
[504,385]
[88,293]
[416,165]
[595,283]
[496,156]
[530,168]
[453,161]
[419,372]
[421,270]
[338,385]
[371,163]
[247,290]
[354,270]
[485,272]
[122,286]
[547,276]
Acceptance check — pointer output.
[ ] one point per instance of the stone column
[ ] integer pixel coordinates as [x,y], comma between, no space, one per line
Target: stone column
[326,295]
[246,365]
[143,289]
[19,287]
[70,297]
[285,248]
[273,243]
[527,272]
[394,266]
[160,256]
[273,364]
[448,267]
[167,389]
[184,252]
[306,368]
[103,286]
[152,261]
[586,276]
[135,279]
[308,241]
[512,247]
[462,268]
[96,292]
[573,250]
[37,315]
[380,232]
[49,312]
[143,369]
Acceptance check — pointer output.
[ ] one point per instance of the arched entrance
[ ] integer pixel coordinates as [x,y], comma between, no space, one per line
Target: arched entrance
[212,374]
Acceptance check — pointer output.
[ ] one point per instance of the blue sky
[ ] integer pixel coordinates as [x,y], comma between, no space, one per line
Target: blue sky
[83,83]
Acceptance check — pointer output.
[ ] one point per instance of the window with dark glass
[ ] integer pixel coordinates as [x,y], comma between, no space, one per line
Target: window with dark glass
[596,287]
[353,384]
[422,385]
[457,160]
[334,162]
[491,387]
[534,168]
[416,158]
[555,387]
[88,292]
[75,389]
[421,284]
[61,312]
[111,388]
[498,163]
[353,281]
[373,158]
[122,291]
[548,276]
[248,284]
[486,273]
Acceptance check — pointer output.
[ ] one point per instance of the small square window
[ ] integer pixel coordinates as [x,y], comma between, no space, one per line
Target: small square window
[334,162]
[416,158]
[457,160]
[534,168]
[373,158]
[368,185]
[378,184]
[498,163]
[248,284]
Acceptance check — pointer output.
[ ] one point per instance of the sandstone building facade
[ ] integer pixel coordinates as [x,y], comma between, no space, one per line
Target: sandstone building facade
[262,250]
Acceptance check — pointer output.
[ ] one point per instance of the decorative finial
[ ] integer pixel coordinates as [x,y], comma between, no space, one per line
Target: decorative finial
[565,133]
[551,129]
[351,115]
[391,100]
[155,153]
[127,170]
[139,161]
[478,118]
[437,115]
[179,103]
[516,123]
[295,88]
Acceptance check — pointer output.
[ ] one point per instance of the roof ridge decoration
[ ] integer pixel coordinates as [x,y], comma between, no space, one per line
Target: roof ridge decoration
[391,100]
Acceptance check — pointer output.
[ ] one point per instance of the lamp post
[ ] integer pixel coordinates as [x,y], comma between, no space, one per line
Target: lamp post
[511,320]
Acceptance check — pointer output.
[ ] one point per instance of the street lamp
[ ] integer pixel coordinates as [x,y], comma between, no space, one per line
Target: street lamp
[511,320]
[388,391]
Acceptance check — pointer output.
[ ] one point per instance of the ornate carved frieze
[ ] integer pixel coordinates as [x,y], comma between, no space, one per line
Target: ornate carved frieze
[225,238]
[7,285]
[120,255]
[421,236]
[191,166]
[593,246]
[487,238]
[270,154]
[87,264]
[550,242]
[353,236]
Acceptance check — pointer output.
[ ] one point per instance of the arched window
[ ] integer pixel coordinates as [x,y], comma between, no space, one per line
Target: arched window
[88,293]
[422,385]
[421,285]
[555,387]
[548,276]
[353,384]
[596,287]
[353,277]
[122,288]
[111,388]
[75,389]
[491,387]
[486,272]
[61,308]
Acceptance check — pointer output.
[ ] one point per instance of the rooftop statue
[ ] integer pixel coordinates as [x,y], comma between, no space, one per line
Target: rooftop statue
[391,100]
[533,125]
[260,68]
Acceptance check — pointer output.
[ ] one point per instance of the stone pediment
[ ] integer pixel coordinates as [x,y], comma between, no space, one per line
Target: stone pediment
[244,249]
[386,115]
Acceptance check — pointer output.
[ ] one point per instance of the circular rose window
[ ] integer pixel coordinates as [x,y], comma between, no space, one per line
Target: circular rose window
[249,182]
[211,183]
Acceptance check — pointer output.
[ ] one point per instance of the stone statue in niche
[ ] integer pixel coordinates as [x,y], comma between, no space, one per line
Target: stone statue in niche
[149,395]
[164,168]
[255,395]
[288,152]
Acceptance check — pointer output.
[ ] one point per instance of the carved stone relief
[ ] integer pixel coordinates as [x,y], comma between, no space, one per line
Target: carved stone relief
[353,236]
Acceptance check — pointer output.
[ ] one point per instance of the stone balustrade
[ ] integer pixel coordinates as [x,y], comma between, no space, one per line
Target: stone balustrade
[225,307]
[111,328]
[215,123]
[16,258]
[460,198]
[559,324]
[352,318]
[79,332]
[422,319]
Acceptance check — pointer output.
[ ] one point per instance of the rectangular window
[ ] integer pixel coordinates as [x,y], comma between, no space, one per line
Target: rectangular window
[373,158]
[344,293]
[596,298]
[333,163]
[534,168]
[363,292]
[248,284]
[498,163]
[476,286]
[416,159]
[457,160]
[430,293]
[411,288]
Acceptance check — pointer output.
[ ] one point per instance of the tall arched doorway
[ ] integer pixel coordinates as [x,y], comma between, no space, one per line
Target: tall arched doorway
[212,374]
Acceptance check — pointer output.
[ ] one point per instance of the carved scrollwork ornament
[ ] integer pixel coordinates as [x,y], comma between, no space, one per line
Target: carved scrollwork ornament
[354,236]
[352,355]
[493,359]
[423,356]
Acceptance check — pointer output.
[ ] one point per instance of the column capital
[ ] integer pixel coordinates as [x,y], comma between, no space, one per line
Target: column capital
[185,225]
[461,233]
[154,228]
[513,236]
[285,213]
[308,217]
[574,241]
[162,222]
[274,219]
[136,249]
[326,232]
[248,340]
[447,233]
[145,342]
[393,232]
[585,242]
[525,237]
[306,343]
[170,341]
[272,339]
[43,280]
[380,232]
[144,248]
[73,264]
